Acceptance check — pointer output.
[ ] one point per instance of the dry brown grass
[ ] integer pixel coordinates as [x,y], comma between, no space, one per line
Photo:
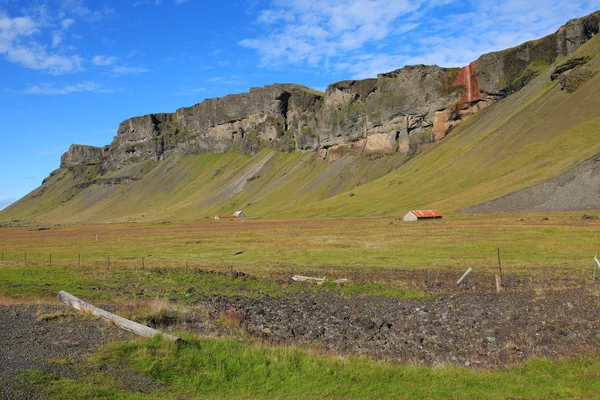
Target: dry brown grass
[10,301]
[231,318]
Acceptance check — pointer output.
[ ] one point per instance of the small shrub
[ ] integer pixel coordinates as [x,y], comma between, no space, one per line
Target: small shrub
[231,318]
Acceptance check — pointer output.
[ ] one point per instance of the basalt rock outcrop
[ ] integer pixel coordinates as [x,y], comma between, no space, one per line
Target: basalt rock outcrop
[81,154]
[397,112]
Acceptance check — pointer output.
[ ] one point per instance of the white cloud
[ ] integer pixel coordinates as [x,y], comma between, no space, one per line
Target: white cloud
[104,60]
[312,32]
[364,37]
[57,38]
[234,80]
[116,70]
[50,89]
[79,9]
[19,45]
[121,70]
[66,23]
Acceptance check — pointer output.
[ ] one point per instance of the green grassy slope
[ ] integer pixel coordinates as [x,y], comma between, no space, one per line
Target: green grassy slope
[190,188]
[527,138]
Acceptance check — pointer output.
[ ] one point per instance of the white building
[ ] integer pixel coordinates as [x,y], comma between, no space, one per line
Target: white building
[416,215]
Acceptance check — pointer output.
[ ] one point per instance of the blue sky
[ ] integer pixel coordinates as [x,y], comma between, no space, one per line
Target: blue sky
[72,70]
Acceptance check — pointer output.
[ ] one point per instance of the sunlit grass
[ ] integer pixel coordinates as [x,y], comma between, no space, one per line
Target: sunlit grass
[205,368]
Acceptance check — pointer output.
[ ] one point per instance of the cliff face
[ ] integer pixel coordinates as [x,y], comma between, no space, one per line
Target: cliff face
[81,154]
[395,113]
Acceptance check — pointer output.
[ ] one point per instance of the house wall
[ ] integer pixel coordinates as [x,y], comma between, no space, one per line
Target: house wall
[410,217]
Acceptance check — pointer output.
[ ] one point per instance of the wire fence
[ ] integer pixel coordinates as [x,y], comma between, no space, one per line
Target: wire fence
[441,279]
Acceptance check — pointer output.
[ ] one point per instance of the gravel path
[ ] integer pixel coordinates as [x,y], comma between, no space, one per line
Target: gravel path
[28,341]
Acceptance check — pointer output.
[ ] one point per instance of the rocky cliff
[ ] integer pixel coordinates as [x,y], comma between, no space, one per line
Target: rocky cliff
[395,113]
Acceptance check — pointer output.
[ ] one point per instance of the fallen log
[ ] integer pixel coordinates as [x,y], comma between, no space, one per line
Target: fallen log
[121,322]
[300,278]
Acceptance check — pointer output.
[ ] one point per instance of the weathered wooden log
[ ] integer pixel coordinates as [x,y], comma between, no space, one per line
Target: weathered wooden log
[121,322]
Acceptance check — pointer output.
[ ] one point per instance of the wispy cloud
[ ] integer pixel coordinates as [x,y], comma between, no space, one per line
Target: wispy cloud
[116,70]
[51,89]
[313,32]
[156,2]
[355,36]
[19,45]
[104,60]
[78,9]
[234,80]
[121,70]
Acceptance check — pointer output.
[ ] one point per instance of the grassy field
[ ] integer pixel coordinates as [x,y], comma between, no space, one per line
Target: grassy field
[164,259]
[262,247]
[227,369]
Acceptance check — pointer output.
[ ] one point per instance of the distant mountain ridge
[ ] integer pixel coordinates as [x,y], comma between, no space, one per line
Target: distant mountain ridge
[326,144]
[397,112]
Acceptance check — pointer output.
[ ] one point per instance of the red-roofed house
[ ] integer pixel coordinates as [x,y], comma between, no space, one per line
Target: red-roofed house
[237,214]
[416,215]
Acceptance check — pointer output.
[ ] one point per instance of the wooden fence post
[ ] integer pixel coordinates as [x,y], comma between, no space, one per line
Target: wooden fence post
[25,257]
[142,262]
[79,260]
[50,258]
[499,287]
[108,260]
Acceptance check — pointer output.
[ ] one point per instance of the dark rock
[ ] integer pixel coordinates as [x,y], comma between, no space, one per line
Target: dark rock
[569,65]
[81,154]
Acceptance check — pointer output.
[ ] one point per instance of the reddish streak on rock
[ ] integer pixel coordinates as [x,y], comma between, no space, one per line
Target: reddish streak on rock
[468,79]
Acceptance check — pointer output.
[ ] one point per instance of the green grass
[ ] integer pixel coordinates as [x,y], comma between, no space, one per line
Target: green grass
[374,250]
[215,369]
[122,284]
[332,247]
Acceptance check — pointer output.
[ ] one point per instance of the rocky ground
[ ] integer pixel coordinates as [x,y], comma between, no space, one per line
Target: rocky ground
[478,330]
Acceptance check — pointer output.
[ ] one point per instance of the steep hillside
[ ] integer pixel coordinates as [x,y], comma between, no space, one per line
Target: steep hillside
[508,121]
[196,187]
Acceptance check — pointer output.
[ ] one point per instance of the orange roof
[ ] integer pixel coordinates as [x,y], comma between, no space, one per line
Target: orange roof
[426,213]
